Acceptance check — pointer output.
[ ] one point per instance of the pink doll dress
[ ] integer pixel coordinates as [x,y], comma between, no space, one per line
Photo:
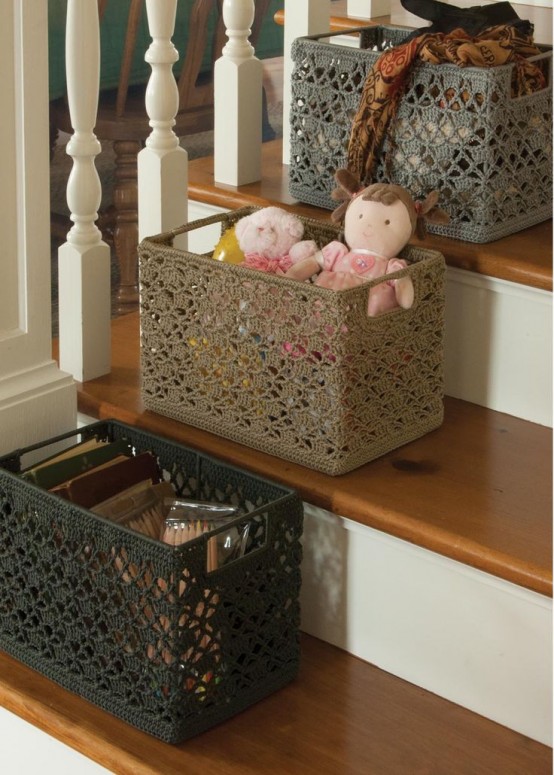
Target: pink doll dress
[345,268]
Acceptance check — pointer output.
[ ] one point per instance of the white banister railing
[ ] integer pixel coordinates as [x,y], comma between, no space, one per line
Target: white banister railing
[162,164]
[302,17]
[84,260]
[237,100]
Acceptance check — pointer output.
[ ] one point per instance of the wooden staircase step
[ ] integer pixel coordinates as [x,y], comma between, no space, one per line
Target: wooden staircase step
[477,490]
[341,715]
[524,257]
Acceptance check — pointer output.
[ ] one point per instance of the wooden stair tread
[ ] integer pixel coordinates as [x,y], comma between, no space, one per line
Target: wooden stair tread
[477,490]
[341,715]
[524,257]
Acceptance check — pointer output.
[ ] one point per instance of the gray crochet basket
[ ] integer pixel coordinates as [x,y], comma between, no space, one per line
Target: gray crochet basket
[491,159]
[141,628]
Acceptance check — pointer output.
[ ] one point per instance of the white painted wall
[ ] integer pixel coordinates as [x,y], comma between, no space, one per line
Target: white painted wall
[366,9]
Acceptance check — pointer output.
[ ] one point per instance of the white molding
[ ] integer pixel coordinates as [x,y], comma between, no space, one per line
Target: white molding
[498,347]
[37,400]
[472,638]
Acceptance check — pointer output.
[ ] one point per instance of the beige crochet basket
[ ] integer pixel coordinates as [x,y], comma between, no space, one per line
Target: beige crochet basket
[286,367]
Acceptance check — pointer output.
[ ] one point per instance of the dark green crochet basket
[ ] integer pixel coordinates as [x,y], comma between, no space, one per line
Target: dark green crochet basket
[136,626]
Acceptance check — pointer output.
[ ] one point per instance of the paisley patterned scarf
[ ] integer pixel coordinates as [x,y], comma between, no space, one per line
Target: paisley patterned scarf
[384,84]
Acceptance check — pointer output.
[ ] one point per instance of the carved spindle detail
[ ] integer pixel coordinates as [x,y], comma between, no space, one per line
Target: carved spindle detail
[84,260]
[162,164]
[162,94]
[238,16]
[83,73]
[238,100]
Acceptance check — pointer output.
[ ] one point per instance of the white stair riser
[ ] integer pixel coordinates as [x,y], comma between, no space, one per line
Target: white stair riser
[26,748]
[469,637]
[498,346]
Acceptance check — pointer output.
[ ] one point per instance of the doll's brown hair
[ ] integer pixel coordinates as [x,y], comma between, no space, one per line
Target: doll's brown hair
[387,194]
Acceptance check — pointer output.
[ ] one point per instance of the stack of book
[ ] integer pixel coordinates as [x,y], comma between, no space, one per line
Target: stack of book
[109,479]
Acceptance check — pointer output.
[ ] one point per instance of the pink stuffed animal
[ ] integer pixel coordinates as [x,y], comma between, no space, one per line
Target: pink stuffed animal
[271,240]
[378,222]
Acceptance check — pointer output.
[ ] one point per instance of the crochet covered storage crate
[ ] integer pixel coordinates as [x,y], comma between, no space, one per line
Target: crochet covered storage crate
[143,629]
[287,367]
[457,130]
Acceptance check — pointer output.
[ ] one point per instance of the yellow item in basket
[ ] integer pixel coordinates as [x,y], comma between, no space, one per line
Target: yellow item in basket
[227,249]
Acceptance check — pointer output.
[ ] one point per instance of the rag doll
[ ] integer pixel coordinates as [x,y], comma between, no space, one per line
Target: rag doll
[379,220]
[268,239]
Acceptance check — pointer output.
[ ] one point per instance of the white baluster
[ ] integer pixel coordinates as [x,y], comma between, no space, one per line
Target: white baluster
[302,17]
[237,100]
[84,260]
[162,164]
[367,9]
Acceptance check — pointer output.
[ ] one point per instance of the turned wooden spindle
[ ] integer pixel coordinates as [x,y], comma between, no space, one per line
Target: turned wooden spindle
[238,79]
[84,260]
[162,164]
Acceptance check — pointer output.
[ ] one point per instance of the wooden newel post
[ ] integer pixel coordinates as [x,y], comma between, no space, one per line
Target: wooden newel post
[84,260]
[37,399]
[162,164]
[238,81]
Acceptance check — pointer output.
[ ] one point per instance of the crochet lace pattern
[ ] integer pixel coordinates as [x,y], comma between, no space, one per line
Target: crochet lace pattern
[457,130]
[287,367]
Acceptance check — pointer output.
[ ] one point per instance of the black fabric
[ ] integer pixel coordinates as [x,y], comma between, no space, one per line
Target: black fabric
[445,18]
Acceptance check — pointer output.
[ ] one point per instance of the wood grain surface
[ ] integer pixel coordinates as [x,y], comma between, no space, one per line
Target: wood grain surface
[477,490]
[341,716]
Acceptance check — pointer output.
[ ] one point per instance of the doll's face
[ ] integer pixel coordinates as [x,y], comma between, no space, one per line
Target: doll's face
[384,229]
